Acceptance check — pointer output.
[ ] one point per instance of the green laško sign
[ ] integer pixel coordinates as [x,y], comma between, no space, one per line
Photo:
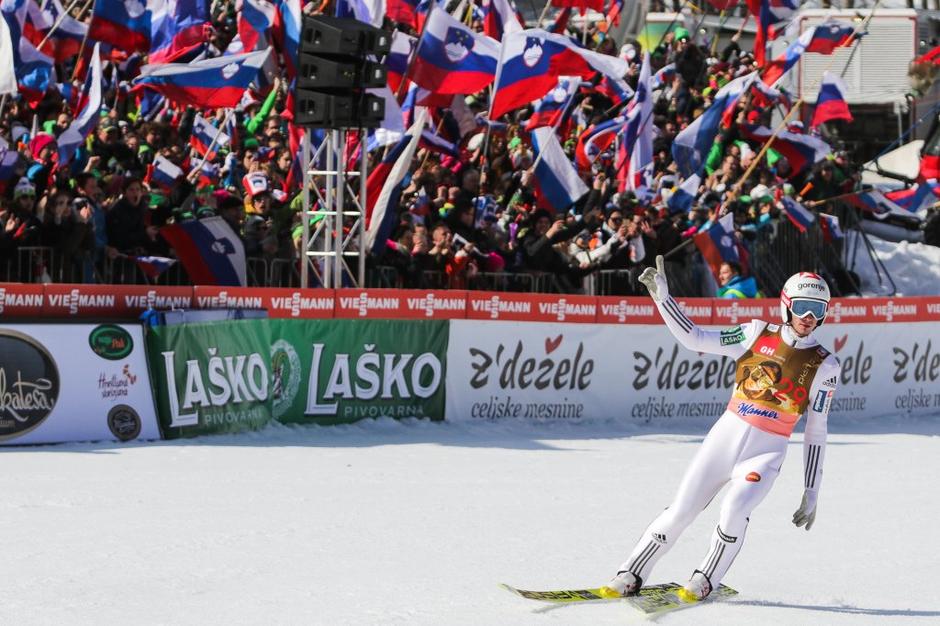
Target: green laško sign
[212,377]
[340,371]
[231,376]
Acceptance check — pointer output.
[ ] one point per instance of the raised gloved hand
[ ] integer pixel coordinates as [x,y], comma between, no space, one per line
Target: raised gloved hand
[655,280]
[806,514]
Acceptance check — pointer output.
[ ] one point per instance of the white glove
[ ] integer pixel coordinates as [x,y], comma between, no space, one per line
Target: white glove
[806,514]
[655,280]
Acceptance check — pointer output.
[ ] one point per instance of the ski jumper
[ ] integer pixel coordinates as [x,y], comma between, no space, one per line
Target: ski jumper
[779,377]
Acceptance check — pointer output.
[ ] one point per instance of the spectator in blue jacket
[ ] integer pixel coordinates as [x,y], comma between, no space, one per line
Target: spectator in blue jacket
[733,285]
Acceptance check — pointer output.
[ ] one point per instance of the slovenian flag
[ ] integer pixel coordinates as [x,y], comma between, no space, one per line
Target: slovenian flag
[124,24]
[163,173]
[876,203]
[551,107]
[557,180]
[451,58]
[178,27]
[830,103]
[500,17]
[799,215]
[153,266]
[664,77]
[389,181]
[33,69]
[595,140]
[397,60]
[286,30]
[66,40]
[831,229]
[767,14]
[684,195]
[801,151]
[211,84]
[694,142]
[255,20]
[636,147]
[210,251]
[89,115]
[718,245]
[533,60]
[204,135]
[818,39]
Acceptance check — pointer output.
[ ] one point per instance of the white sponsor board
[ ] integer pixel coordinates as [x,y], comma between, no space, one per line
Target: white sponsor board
[74,382]
[541,371]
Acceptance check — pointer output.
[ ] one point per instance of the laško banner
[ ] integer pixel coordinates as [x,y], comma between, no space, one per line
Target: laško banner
[127,302]
[241,375]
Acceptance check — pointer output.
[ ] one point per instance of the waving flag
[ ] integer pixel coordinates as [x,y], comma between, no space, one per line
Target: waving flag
[799,215]
[178,28]
[152,266]
[823,39]
[533,60]
[801,151]
[718,245]
[163,173]
[916,198]
[549,109]
[124,24]
[767,14]
[204,135]
[637,144]
[763,95]
[561,22]
[830,103]
[500,17]
[692,144]
[876,203]
[367,11]
[831,229]
[557,179]
[210,251]
[7,64]
[211,84]
[684,195]
[397,60]
[581,5]
[595,140]
[75,135]
[380,220]
[287,21]
[403,12]
[664,76]
[32,68]
[451,58]
[66,40]
[255,20]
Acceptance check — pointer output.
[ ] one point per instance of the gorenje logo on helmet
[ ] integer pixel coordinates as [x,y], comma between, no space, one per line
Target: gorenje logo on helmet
[29,384]
[816,286]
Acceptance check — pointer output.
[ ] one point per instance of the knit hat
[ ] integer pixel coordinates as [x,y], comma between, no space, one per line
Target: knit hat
[24,188]
[39,143]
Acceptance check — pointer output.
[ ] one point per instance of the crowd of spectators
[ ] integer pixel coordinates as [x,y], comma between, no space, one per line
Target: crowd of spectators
[459,217]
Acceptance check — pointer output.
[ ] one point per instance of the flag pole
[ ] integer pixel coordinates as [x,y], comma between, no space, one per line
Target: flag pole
[215,139]
[548,4]
[58,22]
[555,126]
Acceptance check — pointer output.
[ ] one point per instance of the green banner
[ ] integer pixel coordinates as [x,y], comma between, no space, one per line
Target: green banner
[340,371]
[211,378]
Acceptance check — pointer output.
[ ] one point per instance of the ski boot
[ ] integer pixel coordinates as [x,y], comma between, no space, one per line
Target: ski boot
[623,585]
[697,589]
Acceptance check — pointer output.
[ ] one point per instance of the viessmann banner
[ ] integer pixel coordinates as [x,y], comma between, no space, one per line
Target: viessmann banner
[232,376]
[78,382]
[539,371]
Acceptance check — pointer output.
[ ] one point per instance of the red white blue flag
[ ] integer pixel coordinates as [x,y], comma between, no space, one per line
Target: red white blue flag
[801,151]
[206,138]
[87,119]
[533,60]
[255,20]
[66,40]
[211,84]
[397,60]
[830,103]
[178,27]
[124,24]
[718,245]
[801,217]
[33,69]
[500,17]
[823,39]
[557,180]
[767,14]
[210,251]
[163,173]
[550,108]
[451,58]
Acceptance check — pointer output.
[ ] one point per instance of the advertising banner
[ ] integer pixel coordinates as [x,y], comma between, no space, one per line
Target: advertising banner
[641,373]
[213,377]
[76,382]
[340,371]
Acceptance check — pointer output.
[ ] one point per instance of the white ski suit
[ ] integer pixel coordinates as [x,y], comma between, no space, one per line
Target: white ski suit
[779,377]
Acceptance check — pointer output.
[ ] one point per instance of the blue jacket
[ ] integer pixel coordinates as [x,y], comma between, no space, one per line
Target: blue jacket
[739,287]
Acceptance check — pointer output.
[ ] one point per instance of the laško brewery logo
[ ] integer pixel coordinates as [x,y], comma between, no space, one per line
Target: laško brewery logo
[29,384]
[513,367]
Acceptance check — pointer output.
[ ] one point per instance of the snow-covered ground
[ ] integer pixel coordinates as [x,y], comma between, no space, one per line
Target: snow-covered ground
[914,267]
[416,523]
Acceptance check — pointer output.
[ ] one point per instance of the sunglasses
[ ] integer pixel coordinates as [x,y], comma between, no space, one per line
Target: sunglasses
[801,308]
